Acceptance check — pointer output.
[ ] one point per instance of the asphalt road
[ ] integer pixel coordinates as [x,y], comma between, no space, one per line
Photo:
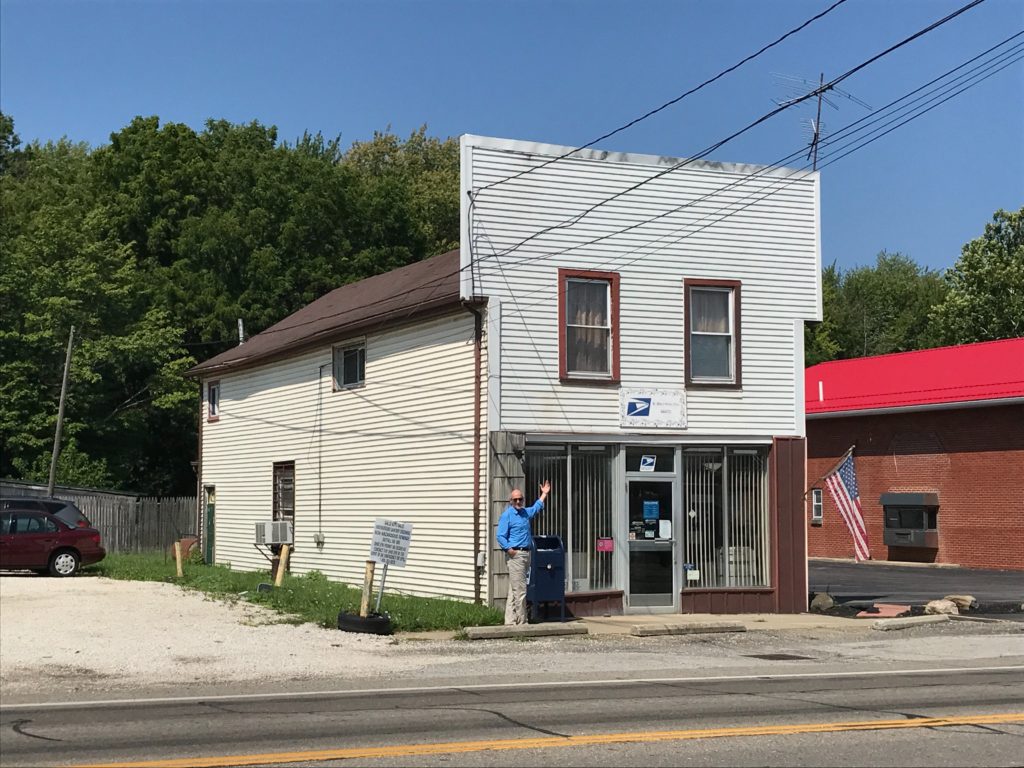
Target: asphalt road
[830,718]
[912,585]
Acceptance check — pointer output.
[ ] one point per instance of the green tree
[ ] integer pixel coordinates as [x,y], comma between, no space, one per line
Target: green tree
[60,269]
[985,300]
[820,344]
[884,308]
[153,245]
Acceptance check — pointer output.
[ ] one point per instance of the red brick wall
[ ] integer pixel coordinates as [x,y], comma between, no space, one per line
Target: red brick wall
[972,457]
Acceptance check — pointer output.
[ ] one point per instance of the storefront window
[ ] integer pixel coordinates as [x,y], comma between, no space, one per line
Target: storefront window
[579,509]
[725,517]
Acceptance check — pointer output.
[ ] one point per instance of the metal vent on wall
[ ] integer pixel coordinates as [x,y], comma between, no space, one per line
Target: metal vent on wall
[274,532]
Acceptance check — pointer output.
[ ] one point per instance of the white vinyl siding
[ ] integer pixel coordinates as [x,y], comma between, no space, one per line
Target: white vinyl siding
[400,447]
[769,243]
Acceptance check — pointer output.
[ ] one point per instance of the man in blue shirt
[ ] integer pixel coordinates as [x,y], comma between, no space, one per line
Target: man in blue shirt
[515,537]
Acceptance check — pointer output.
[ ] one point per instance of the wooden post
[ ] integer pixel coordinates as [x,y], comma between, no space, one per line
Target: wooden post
[282,565]
[177,559]
[364,605]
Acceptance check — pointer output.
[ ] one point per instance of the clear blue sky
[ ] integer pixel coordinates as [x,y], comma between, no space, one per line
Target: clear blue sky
[563,72]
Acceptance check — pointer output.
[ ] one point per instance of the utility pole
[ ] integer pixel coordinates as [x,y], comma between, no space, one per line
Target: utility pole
[817,123]
[60,415]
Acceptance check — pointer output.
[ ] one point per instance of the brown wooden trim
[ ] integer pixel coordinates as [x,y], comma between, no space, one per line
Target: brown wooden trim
[787,470]
[587,274]
[735,285]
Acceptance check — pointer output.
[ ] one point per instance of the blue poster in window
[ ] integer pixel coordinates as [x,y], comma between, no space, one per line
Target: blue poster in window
[652,510]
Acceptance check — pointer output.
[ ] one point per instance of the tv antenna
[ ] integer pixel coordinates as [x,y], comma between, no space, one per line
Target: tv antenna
[798,88]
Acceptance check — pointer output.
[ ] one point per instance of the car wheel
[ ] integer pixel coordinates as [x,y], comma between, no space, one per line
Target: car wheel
[374,624]
[64,563]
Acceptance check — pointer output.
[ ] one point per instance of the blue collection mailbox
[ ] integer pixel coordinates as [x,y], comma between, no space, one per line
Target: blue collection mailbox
[547,574]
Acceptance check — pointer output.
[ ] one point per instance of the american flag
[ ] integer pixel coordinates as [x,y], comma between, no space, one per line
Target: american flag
[842,484]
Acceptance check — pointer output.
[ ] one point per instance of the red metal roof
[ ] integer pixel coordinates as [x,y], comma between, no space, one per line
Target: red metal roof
[991,370]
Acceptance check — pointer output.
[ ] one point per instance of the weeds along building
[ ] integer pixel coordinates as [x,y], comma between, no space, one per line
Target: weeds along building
[628,326]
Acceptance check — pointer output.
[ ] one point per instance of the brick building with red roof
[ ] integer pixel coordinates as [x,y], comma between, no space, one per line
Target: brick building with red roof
[938,439]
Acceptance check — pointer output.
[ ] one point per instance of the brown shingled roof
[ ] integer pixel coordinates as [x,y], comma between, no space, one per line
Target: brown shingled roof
[414,290]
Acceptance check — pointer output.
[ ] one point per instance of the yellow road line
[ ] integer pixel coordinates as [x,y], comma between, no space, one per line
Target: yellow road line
[456,747]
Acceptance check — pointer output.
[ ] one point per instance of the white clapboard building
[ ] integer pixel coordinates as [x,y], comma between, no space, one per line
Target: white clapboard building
[628,326]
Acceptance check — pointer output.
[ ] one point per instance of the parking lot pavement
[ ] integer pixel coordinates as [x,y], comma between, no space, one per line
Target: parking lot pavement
[868,582]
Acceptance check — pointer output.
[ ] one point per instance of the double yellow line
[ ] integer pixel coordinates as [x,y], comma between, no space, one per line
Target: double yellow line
[457,747]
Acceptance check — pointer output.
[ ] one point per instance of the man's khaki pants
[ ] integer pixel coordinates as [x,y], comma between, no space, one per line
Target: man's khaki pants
[518,570]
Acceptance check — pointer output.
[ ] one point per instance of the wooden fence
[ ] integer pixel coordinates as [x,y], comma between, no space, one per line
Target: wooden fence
[126,523]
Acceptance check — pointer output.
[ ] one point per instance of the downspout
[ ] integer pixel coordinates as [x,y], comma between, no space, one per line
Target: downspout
[478,334]
[200,531]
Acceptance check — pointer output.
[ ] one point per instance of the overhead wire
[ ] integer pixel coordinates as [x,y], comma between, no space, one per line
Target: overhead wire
[473,261]
[863,123]
[670,102]
[576,218]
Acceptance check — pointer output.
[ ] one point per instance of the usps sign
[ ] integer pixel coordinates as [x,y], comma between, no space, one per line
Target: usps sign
[657,408]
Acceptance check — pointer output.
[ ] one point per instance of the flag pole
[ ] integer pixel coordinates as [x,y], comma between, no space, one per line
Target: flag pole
[833,469]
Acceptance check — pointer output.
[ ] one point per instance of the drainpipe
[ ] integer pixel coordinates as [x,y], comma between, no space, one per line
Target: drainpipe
[200,532]
[478,334]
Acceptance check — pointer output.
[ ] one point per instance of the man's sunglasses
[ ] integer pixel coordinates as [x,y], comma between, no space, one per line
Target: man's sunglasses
[518,500]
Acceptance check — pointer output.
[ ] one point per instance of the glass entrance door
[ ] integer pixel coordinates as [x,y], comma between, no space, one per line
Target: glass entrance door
[650,538]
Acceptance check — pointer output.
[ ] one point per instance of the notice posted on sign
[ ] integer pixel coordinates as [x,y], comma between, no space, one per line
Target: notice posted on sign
[390,544]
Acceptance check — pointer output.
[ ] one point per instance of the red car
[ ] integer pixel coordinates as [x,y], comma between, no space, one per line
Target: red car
[32,540]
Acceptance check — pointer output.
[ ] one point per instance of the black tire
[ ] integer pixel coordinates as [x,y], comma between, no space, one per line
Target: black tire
[64,563]
[374,624]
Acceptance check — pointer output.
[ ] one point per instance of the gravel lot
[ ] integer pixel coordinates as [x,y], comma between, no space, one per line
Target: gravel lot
[88,636]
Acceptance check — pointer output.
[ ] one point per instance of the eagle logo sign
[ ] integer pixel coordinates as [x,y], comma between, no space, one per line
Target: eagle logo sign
[638,406]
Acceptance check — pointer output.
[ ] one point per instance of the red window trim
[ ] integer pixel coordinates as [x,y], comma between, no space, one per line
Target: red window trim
[737,382]
[587,274]
[212,418]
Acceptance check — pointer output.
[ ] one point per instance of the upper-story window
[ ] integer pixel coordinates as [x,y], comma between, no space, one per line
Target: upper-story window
[213,401]
[588,325]
[713,356]
[350,365]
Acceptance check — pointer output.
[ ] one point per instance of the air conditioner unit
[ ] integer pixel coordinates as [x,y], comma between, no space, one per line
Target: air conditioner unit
[274,532]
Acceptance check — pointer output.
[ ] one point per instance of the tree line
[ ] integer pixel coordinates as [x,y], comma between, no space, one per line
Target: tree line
[153,245]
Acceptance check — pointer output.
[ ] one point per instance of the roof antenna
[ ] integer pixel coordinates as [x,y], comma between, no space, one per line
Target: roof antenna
[798,88]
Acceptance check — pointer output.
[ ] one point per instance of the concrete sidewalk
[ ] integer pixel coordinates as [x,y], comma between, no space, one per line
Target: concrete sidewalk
[649,625]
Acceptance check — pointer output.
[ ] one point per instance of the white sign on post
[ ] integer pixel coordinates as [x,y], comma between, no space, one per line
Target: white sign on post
[390,544]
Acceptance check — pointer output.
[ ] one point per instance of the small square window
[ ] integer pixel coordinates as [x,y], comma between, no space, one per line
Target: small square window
[817,507]
[213,401]
[349,366]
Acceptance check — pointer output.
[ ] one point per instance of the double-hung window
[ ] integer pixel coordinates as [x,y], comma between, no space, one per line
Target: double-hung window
[712,309]
[588,319]
[349,365]
[213,401]
[817,507]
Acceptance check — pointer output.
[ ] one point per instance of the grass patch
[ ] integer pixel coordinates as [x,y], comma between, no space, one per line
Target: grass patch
[310,597]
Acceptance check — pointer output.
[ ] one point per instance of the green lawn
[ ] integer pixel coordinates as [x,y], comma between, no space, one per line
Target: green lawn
[310,597]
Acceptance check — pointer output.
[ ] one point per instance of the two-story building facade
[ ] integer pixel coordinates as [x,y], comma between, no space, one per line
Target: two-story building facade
[628,326]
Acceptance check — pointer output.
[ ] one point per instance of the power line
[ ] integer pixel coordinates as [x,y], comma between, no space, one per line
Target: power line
[948,91]
[474,261]
[573,220]
[670,102]
[874,117]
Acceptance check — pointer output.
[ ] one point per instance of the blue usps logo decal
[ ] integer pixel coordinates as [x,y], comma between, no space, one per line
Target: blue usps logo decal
[647,465]
[638,406]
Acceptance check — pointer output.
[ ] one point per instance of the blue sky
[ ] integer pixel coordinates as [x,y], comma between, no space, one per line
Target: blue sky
[558,71]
